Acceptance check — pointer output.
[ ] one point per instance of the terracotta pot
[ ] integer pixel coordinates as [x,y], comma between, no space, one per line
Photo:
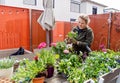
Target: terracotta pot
[38,80]
[50,71]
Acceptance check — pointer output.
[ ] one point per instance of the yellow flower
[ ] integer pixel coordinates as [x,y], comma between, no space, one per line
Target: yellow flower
[57,56]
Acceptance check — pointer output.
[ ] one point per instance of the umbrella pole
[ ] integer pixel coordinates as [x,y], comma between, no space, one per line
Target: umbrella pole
[30,17]
[47,38]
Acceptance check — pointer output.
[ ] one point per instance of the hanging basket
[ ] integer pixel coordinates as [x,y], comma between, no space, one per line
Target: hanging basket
[7,73]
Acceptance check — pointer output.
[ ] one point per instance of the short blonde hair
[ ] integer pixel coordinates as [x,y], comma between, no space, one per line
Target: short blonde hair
[85,18]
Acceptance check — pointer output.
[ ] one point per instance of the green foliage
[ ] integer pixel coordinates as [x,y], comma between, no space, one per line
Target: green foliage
[28,71]
[98,63]
[48,57]
[59,48]
[6,63]
[76,75]
[75,61]
[72,35]
[72,68]
[65,65]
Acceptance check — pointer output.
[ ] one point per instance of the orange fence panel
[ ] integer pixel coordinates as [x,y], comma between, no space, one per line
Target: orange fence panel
[14,27]
[38,34]
[100,25]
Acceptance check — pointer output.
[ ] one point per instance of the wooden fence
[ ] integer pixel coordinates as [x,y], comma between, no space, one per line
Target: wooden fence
[15,29]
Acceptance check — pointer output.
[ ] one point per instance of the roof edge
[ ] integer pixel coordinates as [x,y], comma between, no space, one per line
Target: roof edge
[94,2]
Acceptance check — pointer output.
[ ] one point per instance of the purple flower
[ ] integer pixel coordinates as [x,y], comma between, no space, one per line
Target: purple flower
[42,45]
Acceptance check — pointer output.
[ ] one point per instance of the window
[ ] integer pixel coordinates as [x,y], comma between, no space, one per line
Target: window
[75,6]
[30,2]
[2,1]
[72,20]
[94,10]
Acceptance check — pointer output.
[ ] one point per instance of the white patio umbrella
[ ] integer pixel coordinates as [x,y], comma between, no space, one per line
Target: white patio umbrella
[47,19]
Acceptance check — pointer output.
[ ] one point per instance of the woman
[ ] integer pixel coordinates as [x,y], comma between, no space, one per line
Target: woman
[84,35]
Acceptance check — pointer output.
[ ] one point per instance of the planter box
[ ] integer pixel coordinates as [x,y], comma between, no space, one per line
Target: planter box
[111,77]
[89,81]
[6,73]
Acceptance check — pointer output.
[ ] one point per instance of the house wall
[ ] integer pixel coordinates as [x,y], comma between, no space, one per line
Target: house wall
[83,8]
[19,3]
[61,10]
[2,2]
[86,7]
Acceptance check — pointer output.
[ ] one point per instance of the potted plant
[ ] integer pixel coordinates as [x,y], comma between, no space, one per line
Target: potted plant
[6,67]
[30,70]
[49,59]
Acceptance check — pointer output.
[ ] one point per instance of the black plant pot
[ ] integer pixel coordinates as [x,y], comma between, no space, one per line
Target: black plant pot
[50,71]
[41,74]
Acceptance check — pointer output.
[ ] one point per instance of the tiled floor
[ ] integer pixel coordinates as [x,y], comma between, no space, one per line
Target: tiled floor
[5,80]
[54,79]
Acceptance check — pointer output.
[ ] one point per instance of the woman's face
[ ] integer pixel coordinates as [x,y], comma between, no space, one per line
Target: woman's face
[81,23]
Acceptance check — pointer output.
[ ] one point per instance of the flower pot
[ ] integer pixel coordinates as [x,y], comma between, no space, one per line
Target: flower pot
[50,71]
[7,73]
[41,74]
[38,80]
[16,65]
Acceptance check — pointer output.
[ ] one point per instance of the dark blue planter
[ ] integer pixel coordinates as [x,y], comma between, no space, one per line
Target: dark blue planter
[50,71]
